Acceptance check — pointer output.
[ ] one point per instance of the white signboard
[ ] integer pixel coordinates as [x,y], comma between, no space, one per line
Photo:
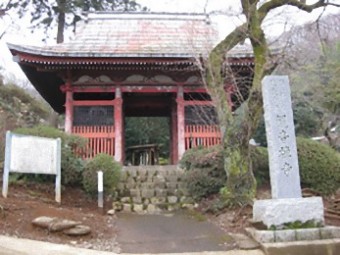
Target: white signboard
[32,154]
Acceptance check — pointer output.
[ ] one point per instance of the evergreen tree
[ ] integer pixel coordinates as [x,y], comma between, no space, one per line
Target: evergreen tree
[64,13]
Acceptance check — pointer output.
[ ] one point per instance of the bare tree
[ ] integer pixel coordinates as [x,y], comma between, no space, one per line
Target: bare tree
[238,128]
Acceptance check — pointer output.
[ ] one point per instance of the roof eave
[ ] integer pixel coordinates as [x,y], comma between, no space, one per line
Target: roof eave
[51,53]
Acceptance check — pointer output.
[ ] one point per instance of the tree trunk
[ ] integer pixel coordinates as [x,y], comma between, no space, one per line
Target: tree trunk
[61,21]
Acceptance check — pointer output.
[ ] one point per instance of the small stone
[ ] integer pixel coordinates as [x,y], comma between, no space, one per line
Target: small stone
[111,212]
[43,221]
[79,230]
[62,224]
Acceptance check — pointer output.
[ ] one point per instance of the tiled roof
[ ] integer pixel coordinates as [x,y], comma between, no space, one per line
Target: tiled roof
[135,35]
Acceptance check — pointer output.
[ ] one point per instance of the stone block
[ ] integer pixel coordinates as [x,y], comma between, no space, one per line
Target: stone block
[172,199]
[125,199]
[127,208]
[152,172]
[308,234]
[117,206]
[157,200]
[146,185]
[172,178]
[132,172]
[138,208]
[284,235]
[160,192]
[130,183]
[141,178]
[152,209]
[137,200]
[142,172]
[276,212]
[148,193]
[171,185]
[135,193]
[174,207]
[330,232]
[171,191]
[262,236]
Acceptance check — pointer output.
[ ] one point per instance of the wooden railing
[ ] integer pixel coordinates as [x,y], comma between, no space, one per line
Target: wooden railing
[101,139]
[204,135]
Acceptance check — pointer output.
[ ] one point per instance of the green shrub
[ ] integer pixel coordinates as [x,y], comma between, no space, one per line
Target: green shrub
[71,164]
[319,166]
[204,171]
[111,173]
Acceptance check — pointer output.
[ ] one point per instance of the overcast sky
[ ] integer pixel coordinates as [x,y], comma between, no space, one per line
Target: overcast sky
[224,23]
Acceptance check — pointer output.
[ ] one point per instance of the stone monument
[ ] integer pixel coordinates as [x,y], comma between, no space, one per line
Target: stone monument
[287,204]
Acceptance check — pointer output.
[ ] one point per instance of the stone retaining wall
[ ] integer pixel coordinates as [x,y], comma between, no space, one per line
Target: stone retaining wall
[152,189]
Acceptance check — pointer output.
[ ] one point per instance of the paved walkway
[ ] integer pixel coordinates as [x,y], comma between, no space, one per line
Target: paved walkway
[175,233]
[15,246]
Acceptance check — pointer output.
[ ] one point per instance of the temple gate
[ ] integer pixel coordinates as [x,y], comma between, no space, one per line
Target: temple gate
[132,64]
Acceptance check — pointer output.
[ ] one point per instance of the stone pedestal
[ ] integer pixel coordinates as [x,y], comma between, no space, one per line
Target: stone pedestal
[276,212]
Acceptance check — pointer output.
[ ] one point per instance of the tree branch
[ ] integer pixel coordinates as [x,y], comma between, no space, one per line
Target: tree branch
[268,6]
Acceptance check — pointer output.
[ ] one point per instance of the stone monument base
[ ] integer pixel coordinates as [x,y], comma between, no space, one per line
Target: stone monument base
[293,235]
[277,212]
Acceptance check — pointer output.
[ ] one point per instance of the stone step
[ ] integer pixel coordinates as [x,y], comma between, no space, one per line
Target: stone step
[152,187]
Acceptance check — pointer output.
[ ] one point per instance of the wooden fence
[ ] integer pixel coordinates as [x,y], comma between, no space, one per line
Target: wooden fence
[204,135]
[101,139]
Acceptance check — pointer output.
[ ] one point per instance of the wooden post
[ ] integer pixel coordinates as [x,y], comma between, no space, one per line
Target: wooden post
[68,108]
[118,115]
[180,122]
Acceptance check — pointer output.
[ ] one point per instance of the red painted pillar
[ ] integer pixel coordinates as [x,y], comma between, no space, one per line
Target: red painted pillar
[180,123]
[118,115]
[174,135]
[68,108]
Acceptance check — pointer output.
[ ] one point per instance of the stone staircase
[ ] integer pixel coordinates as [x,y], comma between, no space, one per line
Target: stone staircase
[152,189]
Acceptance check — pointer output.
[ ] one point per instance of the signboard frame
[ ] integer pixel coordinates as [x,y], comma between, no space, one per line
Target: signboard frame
[20,163]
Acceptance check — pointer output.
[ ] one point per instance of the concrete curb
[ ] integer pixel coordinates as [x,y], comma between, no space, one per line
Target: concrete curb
[19,246]
[311,247]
